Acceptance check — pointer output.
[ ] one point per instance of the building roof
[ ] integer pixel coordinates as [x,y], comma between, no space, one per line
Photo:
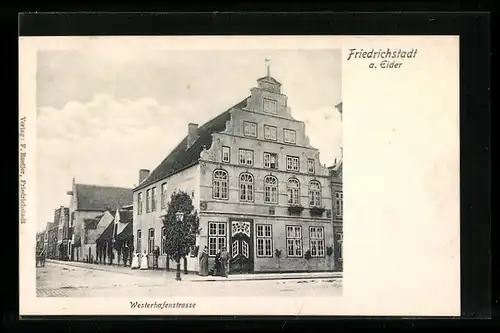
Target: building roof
[336,170]
[101,198]
[126,233]
[49,225]
[107,234]
[99,217]
[180,157]
[269,79]
[125,215]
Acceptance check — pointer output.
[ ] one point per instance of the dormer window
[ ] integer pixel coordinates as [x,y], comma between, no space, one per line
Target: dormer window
[270,106]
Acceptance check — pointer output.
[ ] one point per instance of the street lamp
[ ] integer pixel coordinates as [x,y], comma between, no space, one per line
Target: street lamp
[179,216]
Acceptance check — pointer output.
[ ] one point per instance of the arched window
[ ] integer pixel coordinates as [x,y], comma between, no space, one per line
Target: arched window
[293,187]
[163,240]
[314,194]
[270,189]
[220,184]
[151,240]
[139,241]
[246,187]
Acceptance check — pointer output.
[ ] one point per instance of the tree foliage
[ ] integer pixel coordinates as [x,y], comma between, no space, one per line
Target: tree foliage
[180,236]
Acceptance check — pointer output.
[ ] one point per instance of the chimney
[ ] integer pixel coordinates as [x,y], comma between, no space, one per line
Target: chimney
[192,134]
[143,174]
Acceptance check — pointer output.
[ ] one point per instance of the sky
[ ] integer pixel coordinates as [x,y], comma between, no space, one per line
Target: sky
[102,116]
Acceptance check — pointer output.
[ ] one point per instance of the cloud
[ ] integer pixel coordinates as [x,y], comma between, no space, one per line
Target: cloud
[324,129]
[104,141]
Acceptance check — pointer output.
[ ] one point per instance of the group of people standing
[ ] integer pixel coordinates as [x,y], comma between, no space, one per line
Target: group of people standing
[221,264]
[140,263]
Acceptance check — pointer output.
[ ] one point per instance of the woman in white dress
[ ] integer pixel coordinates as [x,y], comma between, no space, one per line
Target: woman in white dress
[135,261]
[144,261]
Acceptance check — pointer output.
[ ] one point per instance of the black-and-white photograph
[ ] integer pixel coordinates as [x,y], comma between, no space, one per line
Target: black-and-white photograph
[189,173]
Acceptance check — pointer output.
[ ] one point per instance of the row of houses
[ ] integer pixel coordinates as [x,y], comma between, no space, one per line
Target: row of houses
[254,179]
[89,229]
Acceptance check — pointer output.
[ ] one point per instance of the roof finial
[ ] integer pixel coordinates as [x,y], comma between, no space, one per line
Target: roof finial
[268,67]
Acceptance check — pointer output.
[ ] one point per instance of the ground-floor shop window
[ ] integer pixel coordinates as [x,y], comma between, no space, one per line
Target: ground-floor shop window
[317,241]
[264,240]
[216,237]
[294,241]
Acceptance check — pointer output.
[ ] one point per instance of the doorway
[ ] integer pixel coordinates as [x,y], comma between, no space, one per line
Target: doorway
[241,248]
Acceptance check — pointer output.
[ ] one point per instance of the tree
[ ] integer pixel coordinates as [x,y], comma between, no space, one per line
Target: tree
[182,225]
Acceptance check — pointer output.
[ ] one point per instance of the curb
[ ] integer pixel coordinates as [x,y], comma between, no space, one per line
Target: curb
[130,271]
[195,278]
[269,278]
[66,263]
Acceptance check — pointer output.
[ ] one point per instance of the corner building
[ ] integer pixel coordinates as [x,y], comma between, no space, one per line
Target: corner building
[256,182]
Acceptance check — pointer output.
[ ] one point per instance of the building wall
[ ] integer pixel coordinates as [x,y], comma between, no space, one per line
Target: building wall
[104,221]
[52,243]
[93,234]
[187,181]
[82,251]
[93,252]
[337,218]
[60,218]
[272,264]
[257,211]
[200,179]
[213,161]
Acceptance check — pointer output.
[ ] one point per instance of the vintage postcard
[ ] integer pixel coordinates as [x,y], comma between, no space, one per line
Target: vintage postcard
[221,175]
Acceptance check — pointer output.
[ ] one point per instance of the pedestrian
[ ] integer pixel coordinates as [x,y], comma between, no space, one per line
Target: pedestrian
[224,260]
[144,261]
[135,261]
[204,262]
[216,271]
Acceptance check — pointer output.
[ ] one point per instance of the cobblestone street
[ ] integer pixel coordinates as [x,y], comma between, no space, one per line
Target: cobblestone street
[65,280]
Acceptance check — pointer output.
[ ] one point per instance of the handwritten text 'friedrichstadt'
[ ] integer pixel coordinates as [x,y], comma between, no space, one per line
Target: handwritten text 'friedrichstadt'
[161,305]
[390,58]
[22,168]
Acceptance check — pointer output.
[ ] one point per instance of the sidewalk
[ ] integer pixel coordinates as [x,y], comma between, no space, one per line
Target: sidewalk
[271,276]
[194,277]
[160,273]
